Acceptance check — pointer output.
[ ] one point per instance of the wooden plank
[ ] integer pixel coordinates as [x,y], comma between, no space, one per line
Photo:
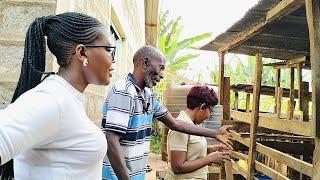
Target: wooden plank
[297,61]
[239,169]
[316,159]
[243,37]
[277,85]
[313,16]
[312,9]
[265,90]
[271,122]
[228,169]
[291,161]
[294,127]
[293,148]
[289,63]
[226,98]
[291,96]
[236,100]
[255,116]
[249,49]
[304,107]
[299,74]
[283,8]
[247,102]
[220,78]
[236,136]
[269,171]
[294,163]
[241,116]
[279,102]
[282,137]
[239,155]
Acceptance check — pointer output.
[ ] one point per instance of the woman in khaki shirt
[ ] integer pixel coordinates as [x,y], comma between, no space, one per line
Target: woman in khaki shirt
[187,154]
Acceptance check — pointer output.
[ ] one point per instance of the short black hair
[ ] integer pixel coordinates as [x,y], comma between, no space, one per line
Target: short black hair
[199,95]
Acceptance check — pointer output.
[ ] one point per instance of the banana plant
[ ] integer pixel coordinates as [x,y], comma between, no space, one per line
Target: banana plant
[170,45]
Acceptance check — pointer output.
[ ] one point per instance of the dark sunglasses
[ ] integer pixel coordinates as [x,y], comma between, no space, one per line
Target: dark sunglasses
[110,49]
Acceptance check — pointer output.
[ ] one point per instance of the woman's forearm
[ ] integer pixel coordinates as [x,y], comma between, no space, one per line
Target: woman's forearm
[190,166]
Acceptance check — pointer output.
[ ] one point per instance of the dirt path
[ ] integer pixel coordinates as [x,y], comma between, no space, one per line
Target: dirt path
[156,164]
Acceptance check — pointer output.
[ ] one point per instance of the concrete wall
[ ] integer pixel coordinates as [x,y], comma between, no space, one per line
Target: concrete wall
[126,17]
[15,17]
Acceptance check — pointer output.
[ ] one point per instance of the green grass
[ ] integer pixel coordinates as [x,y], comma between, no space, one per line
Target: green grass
[155,144]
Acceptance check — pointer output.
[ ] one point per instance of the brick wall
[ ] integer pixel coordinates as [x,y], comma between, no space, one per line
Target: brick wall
[16,15]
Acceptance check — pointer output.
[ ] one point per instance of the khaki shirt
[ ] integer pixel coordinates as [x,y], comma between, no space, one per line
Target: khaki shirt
[195,146]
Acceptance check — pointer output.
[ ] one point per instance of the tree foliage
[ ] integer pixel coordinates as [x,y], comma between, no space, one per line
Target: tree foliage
[171,46]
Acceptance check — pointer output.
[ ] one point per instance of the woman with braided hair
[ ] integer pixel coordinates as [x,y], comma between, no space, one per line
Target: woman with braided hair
[46,129]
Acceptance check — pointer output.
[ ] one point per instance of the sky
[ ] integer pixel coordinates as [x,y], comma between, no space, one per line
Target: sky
[201,16]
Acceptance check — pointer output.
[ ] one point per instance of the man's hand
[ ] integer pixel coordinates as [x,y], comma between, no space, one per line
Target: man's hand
[223,136]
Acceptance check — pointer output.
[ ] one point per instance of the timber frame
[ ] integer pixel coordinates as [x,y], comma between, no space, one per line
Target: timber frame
[287,30]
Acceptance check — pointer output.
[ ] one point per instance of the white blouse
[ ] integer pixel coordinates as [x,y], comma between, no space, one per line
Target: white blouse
[49,135]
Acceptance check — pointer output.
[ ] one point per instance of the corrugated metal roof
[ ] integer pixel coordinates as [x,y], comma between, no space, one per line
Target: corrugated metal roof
[286,38]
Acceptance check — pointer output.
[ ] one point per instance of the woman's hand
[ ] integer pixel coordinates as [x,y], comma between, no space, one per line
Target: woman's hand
[217,147]
[218,157]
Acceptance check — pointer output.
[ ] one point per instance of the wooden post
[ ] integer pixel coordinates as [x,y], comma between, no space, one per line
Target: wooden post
[291,96]
[279,102]
[220,77]
[278,74]
[255,117]
[226,98]
[248,102]
[304,104]
[300,97]
[228,170]
[299,73]
[313,17]
[236,100]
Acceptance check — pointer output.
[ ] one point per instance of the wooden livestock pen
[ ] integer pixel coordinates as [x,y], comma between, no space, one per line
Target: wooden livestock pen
[279,145]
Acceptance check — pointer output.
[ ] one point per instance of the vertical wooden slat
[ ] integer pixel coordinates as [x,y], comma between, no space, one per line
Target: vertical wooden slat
[248,102]
[291,96]
[228,169]
[299,74]
[220,77]
[313,18]
[279,102]
[255,116]
[226,98]
[236,101]
[304,107]
[278,74]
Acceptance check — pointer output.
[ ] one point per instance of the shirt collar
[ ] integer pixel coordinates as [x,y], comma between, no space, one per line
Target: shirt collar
[185,116]
[133,81]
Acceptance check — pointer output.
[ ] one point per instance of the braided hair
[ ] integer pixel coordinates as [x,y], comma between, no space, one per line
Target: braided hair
[64,32]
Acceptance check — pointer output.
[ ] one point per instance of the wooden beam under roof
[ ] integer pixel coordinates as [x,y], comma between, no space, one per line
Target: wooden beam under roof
[283,8]
[152,9]
[302,61]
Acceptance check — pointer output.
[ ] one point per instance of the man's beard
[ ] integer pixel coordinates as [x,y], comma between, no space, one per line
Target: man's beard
[148,81]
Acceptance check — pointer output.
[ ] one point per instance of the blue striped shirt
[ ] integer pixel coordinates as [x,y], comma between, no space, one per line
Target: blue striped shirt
[129,111]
